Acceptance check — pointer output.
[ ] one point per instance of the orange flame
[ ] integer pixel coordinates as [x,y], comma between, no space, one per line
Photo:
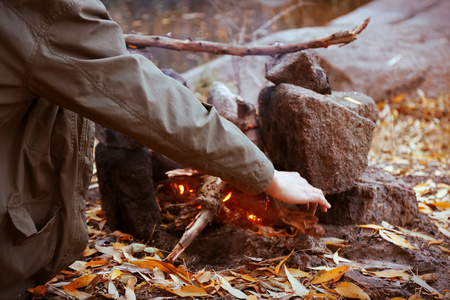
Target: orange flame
[254,218]
[227,197]
[181,189]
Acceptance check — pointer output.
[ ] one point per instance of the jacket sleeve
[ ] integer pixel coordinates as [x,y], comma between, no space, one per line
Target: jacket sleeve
[81,64]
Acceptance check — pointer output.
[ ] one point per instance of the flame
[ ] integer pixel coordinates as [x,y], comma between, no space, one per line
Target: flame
[227,197]
[181,189]
[254,218]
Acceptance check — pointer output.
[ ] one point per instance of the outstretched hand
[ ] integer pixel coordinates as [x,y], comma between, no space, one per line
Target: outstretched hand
[290,187]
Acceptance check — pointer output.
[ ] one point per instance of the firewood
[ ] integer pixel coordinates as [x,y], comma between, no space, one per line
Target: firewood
[210,197]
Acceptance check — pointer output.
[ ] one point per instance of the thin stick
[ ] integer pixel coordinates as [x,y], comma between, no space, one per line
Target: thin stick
[343,38]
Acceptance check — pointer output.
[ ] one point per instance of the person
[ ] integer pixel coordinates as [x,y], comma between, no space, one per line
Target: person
[64,64]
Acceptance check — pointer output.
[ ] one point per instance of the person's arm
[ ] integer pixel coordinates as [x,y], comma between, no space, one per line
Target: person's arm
[82,64]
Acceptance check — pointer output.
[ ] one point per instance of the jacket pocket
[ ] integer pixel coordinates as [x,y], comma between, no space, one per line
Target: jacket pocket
[28,239]
[32,218]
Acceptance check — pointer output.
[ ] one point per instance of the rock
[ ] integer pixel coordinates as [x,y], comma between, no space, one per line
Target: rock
[233,108]
[299,68]
[404,47]
[376,196]
[224,101]
[126,187]
[310,133]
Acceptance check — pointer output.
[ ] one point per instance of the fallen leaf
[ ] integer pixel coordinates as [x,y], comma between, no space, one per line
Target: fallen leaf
[39,290]
[371,226]
[397,298]
[233,291]
[425,285]
[83,281]
[417,234]
[277,269]
[89,251]
[333,274]
[298,273]
[351,290]
[333,241]
[387,274]
[203,276]
[395,239]
[94,263]
[112,290]
[444,249]
[299,289]
[129,288]
[441,193]
[252,297]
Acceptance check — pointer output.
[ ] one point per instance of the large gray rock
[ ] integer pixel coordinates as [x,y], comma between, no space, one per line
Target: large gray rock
[376,196]
[299,68]
[405,47]
[312,134]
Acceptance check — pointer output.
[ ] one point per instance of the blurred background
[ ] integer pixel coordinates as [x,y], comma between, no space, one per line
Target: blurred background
[233,21]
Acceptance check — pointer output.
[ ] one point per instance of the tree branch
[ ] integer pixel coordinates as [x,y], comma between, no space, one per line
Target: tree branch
[343,38]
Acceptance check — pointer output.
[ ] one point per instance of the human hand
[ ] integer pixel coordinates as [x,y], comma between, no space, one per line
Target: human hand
[290,187]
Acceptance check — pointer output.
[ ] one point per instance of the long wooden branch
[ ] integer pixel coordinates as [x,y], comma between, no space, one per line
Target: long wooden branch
[342,38]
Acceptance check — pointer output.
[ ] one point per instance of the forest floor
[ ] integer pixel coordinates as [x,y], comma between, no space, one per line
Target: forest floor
[377,261]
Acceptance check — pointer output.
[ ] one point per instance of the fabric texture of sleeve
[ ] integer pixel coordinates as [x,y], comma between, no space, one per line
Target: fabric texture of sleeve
[82,64]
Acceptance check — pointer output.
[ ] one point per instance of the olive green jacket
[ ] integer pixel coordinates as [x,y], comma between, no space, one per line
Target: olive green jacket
[62,64]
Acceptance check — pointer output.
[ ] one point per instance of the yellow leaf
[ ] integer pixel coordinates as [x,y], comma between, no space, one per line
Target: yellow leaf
[252,297]
[395,239]
[277,269]
[371,226]
[444,249]
[165,267]
[299,289]
[114,274]
[187,291]
[89,251]
[333,274]
[94,263]
[435,242]
[71,288]
[352,100]
[298,273]
[247,277]
[351,290]
[333,241]
[441,205]
[397,298]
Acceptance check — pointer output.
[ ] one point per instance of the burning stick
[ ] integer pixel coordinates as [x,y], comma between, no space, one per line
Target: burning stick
[209,197]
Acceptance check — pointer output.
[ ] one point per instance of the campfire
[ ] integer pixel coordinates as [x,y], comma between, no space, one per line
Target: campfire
[190,201]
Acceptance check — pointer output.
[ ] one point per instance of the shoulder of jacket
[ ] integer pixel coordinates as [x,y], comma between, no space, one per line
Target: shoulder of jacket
[39,15]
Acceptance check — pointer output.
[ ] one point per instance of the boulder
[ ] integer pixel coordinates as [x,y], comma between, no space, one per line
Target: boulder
[404,48]
[299,68]
[376,196]
[313,134]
